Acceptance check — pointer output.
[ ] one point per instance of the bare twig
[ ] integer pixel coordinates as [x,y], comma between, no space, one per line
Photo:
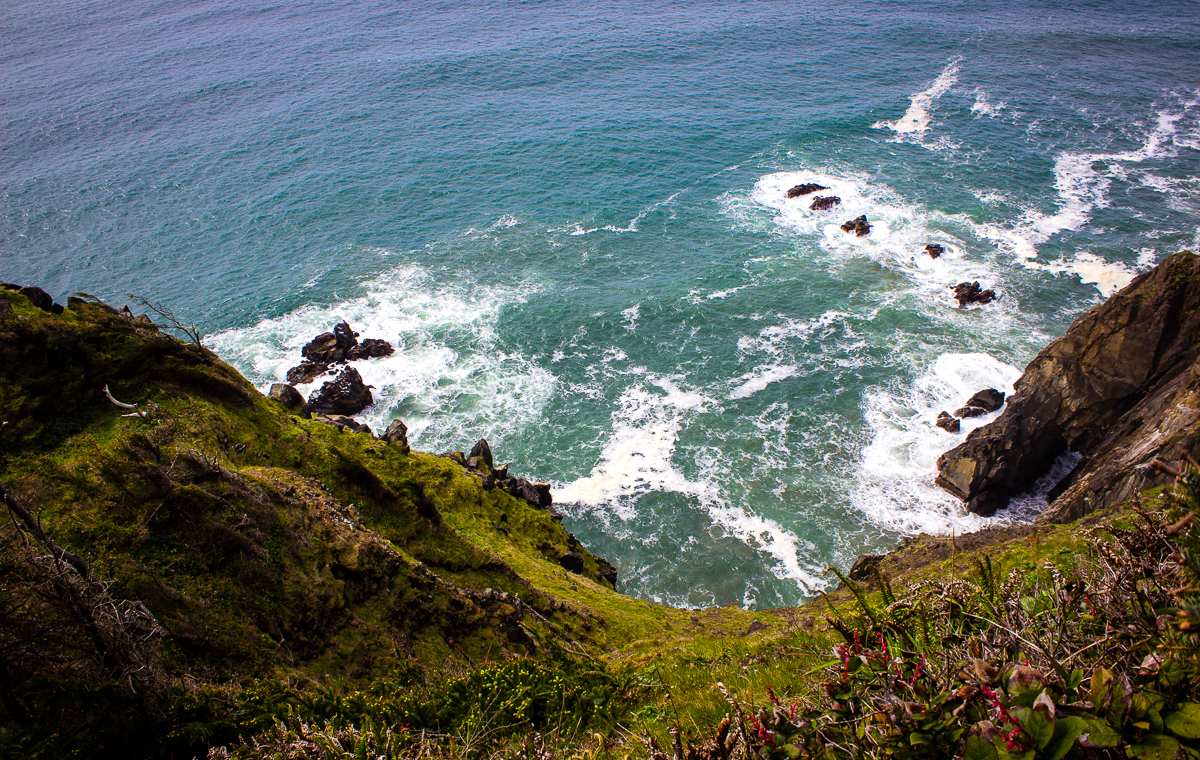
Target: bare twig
[172,322]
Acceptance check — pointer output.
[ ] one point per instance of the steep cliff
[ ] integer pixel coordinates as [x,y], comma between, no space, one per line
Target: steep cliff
[1120,388]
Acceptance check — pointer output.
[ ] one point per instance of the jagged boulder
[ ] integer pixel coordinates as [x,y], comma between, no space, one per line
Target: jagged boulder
[968,411]
[970,292]
[1121,388]
[397,433]
[934,250]
[482,452]
[824,202]
[290,398]
[346,394]
[859,226]
[370,348]
[808,188]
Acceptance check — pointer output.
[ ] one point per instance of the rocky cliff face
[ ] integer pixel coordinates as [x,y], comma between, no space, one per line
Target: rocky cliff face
[1120,388]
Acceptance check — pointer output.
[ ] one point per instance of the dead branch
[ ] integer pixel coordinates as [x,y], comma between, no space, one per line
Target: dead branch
[172,322]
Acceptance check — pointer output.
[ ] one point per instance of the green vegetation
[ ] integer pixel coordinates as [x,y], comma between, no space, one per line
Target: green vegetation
[213,576]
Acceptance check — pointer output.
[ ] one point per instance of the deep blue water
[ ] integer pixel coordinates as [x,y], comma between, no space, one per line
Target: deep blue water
[571,219]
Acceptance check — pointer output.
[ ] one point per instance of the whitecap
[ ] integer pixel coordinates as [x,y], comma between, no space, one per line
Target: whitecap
[446,377]
[915,120]
[896,487]
[759,379]
[984,105]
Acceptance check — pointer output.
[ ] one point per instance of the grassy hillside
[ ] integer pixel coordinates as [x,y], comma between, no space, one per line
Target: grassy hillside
[257,583]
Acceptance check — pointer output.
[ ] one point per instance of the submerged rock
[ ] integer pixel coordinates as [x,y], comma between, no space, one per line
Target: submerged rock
[824,202]
[1121,388]
[805,189]
[858,226]
[346,394]
[948,423]
[970,292]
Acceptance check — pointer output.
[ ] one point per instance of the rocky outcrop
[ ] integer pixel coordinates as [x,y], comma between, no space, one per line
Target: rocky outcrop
[824,202]
[397,433]
[1121,388]
[808,188]
[345,395]
[858,226]
[333,348]
[934,250]
[970,292]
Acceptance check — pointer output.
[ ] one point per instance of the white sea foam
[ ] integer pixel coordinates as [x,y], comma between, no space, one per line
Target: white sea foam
[915,121]
[446,377]
[638,455]
[638,458]
[896,482]
[899,230]
[631,317]
[579,229]
[1082,181]
[984,105]
[758,380]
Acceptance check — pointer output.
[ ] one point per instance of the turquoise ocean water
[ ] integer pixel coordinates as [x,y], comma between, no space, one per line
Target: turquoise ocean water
[571,220]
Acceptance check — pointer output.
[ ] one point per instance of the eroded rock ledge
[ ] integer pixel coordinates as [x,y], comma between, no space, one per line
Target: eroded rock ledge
[1121,388]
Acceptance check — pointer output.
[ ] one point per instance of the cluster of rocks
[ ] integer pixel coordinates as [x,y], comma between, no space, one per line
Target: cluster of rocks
[821,202]
[332,348]
[986,401]
[970,292]
[480,462]
[343,396]
[858,226]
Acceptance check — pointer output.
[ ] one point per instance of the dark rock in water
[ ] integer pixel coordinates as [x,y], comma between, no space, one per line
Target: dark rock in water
[1120,388]
[483,452]
[988,399]
[607,571]
[289,397]
[335,347]
[824,202]
[934,250]
[858,226]
[969,411]
[805,189]
[343,422]
[397,433]
[370,349]
[39,298]
[948,423]
[572,562]
[306,372]
[345,394]
[970,292]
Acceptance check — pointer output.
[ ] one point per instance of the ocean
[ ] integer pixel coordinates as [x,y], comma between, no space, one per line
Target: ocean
[572,221]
